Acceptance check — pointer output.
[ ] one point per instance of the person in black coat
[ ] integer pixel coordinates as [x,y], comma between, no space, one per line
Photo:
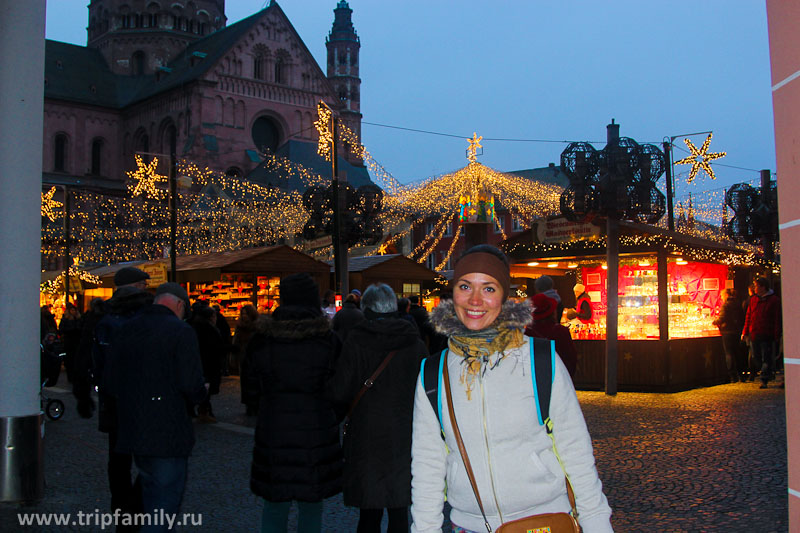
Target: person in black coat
[730,322]
[377,445]
[70,331]
[420,315]
[297,456]
[211,347]
[347,317]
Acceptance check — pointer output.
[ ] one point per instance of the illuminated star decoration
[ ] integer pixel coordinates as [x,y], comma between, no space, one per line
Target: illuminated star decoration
[49,205]
[146,179]
[700,159]
[323,128]
[474,144]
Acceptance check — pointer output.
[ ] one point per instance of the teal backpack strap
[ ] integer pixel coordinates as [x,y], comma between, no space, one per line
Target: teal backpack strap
[542,373]
[431,377]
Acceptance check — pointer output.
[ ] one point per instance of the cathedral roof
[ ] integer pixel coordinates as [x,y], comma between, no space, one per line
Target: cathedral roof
[305,153]
[80,74]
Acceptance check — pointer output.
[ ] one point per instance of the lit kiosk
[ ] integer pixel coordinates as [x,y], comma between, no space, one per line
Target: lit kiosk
[669,286]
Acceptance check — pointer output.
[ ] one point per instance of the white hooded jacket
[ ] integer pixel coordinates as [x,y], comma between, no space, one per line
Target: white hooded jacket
[511,455]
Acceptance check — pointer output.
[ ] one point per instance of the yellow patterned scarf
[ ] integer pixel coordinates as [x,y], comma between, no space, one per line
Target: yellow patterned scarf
[483,350]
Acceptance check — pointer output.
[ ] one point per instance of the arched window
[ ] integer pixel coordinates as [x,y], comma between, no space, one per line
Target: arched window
[266,134]
[60,153]
[280,70]
[234,172]
[97,157]
[141,141]
[137,63]
[169,140]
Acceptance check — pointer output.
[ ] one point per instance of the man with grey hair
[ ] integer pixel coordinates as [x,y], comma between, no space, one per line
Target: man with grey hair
[156,370]
[377,468]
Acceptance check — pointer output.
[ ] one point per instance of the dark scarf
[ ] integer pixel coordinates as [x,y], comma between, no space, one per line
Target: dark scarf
[484,349]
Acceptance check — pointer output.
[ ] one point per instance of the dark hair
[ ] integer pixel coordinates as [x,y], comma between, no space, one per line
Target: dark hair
[402,304]
[763,282]
[203,312]
[414,299]
[487,249]
[731,293]
[329,297]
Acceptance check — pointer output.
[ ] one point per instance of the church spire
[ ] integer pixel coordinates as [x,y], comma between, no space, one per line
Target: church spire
[343,47]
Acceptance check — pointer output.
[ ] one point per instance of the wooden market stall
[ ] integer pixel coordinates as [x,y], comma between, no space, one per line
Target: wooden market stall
[237,278]
[669,295]
[404,275]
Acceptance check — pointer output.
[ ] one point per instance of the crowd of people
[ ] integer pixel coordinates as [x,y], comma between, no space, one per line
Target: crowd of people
[339,400]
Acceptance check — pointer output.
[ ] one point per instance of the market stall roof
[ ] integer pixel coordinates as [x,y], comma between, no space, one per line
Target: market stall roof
[394,264]
[635,238]
[279,260]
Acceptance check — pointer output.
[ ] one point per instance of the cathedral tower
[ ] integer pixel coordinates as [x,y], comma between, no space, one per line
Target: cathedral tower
[138,36]
[343,45]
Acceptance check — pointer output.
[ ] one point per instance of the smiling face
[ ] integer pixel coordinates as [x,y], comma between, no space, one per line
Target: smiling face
[477,298]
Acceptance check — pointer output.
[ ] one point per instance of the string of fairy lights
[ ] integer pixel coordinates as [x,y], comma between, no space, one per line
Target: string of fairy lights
[217,212]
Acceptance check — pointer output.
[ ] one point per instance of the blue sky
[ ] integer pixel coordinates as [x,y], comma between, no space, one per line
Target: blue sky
[547,71]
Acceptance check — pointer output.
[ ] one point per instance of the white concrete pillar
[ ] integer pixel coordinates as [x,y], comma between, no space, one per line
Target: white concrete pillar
[21,123]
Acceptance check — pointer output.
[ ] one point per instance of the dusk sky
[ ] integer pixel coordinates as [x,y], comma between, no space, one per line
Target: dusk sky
[536,71]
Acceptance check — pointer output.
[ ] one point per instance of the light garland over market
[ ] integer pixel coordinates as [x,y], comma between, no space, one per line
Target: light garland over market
[221,213]
[76,271]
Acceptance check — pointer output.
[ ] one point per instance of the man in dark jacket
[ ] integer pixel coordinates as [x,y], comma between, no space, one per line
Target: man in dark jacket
[762,326]
[347,317]
[156,370]
[420,315]
[91,363]
[377,446]
[730,322]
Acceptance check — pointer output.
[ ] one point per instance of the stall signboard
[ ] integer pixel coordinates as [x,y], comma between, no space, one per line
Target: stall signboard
[158,274]
[75,284]
[563,230]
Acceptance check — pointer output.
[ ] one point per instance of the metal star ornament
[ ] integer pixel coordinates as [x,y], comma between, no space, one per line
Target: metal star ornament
[700,159]
[474,144]
[49,205]
[146,179]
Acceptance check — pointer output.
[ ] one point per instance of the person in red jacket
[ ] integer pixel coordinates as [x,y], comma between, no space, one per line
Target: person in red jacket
[545,326]
[762,327]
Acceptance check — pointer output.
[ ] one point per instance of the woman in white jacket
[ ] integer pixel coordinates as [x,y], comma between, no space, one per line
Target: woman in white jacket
[512,457]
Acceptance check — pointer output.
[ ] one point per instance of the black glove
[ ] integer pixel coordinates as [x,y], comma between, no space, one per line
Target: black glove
[86,407]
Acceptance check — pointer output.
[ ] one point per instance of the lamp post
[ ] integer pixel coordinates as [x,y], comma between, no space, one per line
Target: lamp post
[327,145]
[66,226]
[668,149]
[617,182]
[147,176]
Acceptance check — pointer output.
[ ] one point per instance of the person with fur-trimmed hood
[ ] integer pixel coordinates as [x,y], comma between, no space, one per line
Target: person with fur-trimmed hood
[297,456]
[489,364]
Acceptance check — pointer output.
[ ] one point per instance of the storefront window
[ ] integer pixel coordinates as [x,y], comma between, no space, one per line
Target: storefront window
[693,294]
[234,291]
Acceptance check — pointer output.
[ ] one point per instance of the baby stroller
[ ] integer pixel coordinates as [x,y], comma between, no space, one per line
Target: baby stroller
[52,354]
[52,407]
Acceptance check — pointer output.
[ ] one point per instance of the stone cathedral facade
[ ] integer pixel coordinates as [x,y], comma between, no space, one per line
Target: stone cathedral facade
[165,77]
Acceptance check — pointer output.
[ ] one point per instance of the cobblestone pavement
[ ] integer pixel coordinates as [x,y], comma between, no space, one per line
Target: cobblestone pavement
[711,459]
